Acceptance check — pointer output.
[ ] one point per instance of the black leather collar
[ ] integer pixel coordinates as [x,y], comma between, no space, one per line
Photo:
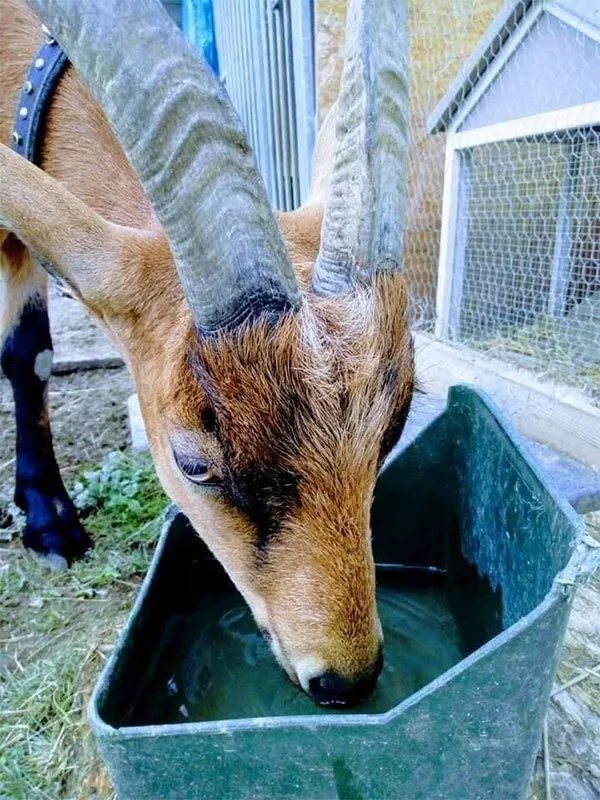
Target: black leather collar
[48,65]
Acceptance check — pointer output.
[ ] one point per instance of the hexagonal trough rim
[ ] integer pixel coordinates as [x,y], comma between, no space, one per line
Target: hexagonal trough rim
[583,561]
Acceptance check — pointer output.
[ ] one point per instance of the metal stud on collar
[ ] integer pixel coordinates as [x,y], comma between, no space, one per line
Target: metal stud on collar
[47,65]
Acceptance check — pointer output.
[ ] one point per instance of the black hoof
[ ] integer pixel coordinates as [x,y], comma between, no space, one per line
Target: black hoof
[53,531]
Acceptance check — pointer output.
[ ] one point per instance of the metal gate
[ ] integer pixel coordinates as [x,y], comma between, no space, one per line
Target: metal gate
[266,62]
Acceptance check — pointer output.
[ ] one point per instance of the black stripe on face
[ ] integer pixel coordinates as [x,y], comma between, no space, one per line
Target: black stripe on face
[266,497]
[394,430]
[392,435]
[261,488]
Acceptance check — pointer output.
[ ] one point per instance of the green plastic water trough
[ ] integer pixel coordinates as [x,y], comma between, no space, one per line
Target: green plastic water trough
[461,506]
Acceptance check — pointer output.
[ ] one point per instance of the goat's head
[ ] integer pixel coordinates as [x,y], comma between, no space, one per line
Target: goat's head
[270,399]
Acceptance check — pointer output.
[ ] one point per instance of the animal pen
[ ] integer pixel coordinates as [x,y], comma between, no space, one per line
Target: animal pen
[500,247]
[519,263]
[502,241]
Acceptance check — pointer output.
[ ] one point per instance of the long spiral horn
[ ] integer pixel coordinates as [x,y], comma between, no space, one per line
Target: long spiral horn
[185,142]
[362,226]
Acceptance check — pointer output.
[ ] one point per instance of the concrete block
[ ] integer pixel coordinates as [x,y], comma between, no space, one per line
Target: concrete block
[139,439]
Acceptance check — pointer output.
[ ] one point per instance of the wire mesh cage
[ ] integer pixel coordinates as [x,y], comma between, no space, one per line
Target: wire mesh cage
[529,239]
[520,270]
[442,34]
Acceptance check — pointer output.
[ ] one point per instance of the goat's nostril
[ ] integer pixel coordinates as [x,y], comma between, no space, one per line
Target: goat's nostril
[330,683]
[336,691]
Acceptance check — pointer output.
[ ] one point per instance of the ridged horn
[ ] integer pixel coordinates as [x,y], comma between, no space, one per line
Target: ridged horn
[186,144]
[363,221]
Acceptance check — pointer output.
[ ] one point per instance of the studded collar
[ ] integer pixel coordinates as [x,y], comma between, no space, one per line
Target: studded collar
[48,65]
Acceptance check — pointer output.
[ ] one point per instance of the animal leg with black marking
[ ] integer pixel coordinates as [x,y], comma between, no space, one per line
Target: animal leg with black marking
[52,530]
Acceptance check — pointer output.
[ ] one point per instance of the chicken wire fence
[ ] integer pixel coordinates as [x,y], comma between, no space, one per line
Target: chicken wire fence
[442,34]
[523,268]
[529,226]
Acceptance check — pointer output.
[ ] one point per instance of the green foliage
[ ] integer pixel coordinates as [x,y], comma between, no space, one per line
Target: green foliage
[123,491]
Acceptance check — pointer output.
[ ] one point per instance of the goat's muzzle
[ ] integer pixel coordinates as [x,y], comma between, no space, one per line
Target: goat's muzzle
[336,691]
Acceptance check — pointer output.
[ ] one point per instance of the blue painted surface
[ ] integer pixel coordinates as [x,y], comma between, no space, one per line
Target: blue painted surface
[197,22]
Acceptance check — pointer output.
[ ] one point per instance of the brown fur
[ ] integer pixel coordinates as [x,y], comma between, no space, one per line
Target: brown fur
[299,410]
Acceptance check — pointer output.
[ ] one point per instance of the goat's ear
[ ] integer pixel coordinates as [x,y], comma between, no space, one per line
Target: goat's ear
[87,252]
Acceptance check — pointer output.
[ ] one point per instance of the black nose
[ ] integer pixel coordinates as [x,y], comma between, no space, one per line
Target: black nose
[336,691]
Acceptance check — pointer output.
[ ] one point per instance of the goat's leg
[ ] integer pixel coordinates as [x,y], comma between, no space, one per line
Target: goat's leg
[53,529]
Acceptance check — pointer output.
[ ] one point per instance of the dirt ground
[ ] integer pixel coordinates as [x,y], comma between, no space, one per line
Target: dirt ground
[88,413]
[89,419]
[77,341]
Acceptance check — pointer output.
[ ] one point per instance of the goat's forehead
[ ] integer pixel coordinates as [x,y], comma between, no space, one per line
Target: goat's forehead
[306,409]
[304,381]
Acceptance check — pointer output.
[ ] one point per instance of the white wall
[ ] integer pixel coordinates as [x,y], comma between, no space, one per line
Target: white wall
[554,67]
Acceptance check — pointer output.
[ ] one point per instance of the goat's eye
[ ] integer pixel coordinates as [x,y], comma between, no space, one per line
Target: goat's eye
[196,471]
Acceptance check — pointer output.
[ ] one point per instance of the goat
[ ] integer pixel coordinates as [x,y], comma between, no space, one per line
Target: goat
[271,353]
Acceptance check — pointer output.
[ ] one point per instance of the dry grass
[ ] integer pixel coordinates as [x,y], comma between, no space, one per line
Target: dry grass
[574,714]
[58,630]
[550,350]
